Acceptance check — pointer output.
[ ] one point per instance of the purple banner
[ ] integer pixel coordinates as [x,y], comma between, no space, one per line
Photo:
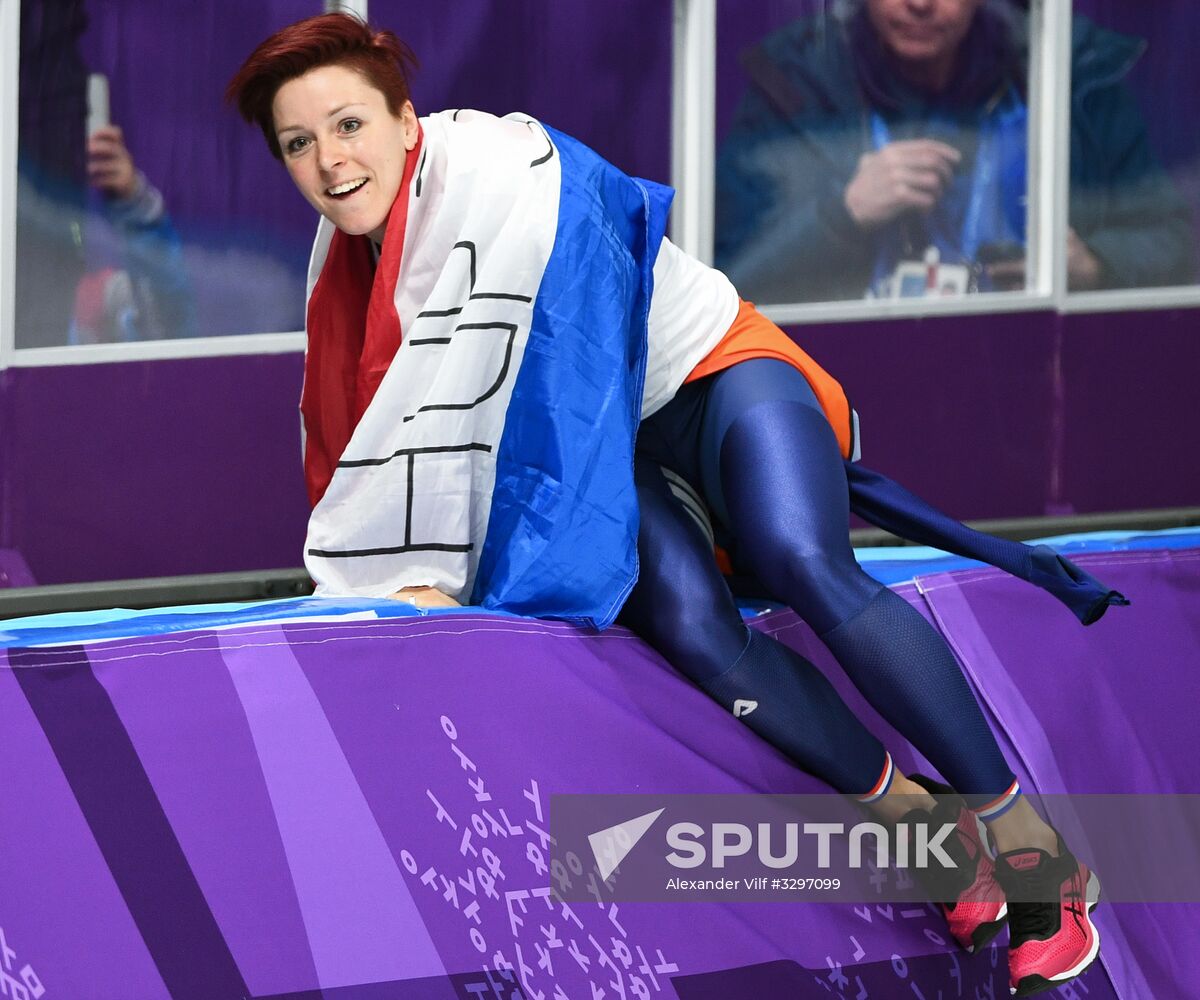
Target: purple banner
[362,807]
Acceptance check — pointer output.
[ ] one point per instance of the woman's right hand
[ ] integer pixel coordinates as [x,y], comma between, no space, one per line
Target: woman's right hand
[425,597]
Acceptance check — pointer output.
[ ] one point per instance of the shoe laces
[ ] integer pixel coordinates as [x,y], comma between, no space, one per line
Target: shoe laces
[1033,920]
[1039,919]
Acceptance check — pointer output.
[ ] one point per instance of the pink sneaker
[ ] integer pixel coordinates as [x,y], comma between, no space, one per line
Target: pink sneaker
[1051,934]
[977,911]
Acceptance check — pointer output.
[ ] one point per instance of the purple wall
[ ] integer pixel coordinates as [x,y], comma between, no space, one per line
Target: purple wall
[1026,414]
[153,469]
[171,467]
[1132,434]
[957,408]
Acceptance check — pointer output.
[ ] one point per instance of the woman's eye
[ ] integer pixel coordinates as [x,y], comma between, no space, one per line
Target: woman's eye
[297,144]
[351,125]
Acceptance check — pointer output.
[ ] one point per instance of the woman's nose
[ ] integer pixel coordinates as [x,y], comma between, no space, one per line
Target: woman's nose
[329,156]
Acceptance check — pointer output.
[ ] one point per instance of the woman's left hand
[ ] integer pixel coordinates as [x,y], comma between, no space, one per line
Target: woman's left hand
[425,597]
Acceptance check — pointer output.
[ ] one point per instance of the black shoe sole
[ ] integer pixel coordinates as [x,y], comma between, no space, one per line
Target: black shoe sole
[984,933]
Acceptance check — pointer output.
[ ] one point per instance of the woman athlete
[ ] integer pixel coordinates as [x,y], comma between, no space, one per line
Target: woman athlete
[733,407]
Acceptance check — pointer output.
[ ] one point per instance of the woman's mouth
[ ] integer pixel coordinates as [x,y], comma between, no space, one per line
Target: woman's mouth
[919,33]
[345,189]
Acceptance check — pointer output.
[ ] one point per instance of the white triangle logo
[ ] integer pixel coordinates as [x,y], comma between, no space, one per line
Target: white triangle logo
[741,708]
[612,845]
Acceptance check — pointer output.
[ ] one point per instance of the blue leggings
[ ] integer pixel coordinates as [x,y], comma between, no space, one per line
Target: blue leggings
[755,441]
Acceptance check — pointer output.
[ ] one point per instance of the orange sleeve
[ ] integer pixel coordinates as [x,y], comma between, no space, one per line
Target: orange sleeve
[752,335]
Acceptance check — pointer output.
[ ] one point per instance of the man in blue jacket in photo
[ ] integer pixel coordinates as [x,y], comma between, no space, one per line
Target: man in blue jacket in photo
[869,138]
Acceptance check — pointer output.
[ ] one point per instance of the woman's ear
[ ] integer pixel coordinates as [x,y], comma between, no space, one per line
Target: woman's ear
[408,115]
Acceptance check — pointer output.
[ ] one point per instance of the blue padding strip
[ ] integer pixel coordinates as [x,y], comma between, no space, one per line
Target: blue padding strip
[893,564]
[889,565]
[92,626]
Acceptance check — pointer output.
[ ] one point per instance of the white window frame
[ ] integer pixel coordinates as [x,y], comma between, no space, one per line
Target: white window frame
[693,125]
[358,7]
[694,159]
[10,77]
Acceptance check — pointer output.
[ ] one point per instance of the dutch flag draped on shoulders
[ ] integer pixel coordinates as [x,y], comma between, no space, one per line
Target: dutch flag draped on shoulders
[471,400]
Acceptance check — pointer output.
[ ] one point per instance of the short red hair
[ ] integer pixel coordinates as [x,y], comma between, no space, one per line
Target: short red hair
[324,40]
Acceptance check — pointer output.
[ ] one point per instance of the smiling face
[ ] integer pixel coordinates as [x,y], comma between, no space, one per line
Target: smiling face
[342,147]
[923,32]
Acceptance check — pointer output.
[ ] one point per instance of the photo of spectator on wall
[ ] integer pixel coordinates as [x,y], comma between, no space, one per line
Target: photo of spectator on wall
[878,133]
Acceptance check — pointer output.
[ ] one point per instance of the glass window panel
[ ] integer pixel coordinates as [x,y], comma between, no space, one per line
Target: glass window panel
[871,148]
[599,72]
[1135,159]
[181,228]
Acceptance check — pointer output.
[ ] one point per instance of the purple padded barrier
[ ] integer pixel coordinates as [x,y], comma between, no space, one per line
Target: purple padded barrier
[360,806]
